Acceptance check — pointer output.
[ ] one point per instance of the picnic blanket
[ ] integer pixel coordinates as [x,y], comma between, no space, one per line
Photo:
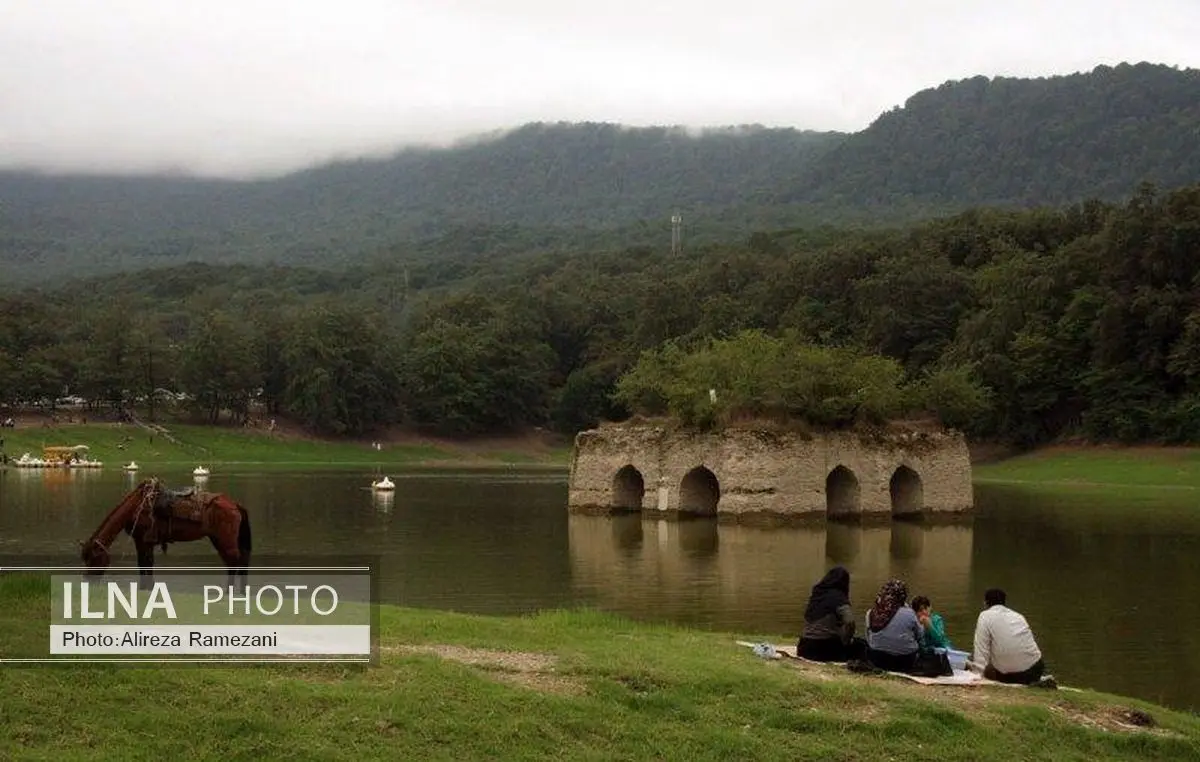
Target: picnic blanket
[960,676]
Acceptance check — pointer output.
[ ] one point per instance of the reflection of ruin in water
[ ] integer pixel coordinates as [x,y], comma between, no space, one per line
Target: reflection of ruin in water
[907,541]
[696,538]
[721,574]
[627,533]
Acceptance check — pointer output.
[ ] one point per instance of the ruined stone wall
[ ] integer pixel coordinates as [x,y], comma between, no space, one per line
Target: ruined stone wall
[742,474]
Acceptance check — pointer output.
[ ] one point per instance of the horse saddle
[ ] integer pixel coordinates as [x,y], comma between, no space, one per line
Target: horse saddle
[190,504]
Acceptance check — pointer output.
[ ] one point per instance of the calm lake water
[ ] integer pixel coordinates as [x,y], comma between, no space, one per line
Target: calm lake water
[1109,585]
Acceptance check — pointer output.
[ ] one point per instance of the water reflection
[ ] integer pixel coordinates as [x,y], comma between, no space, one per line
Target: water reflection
[697,538]
[627,533]
[1106,585]
[907,541]
[756,579]
[383,500]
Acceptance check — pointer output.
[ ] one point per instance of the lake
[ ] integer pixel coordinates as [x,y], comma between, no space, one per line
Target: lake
[1108,584]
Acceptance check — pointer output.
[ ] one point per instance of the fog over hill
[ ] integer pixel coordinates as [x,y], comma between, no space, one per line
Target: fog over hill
[548,186]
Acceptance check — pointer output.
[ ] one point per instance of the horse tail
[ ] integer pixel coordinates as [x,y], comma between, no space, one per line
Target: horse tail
[244,543]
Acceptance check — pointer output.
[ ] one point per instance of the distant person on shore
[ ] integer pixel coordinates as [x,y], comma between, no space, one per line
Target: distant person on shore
[931,622]
[829,622]
[1004,644]
[894,635]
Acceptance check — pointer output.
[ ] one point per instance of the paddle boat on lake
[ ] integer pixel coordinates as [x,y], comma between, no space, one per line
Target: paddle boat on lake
[383,485]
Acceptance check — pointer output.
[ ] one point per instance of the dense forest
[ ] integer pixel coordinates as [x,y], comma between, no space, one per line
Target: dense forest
[1014,141]
[587,188]
[1081,320]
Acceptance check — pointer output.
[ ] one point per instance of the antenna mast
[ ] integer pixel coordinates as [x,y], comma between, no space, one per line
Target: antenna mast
[676,234]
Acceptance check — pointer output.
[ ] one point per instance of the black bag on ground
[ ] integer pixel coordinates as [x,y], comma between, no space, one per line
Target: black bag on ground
[932,664]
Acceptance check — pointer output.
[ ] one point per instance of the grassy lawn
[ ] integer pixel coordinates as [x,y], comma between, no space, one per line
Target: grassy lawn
[1173,468]
[557,685]
[117,445]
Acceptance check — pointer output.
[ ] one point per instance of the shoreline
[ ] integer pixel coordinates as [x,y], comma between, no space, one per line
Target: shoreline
[116,444]
[1059,466]
[1097,467]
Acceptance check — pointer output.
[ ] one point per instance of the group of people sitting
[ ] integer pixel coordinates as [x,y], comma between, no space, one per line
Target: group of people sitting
[907,636]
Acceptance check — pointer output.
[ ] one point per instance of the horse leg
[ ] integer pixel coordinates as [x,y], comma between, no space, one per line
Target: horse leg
[244,544]
[231,557]
[145,557]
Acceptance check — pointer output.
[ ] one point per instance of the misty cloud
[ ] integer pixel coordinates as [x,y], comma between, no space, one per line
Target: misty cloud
[241,87]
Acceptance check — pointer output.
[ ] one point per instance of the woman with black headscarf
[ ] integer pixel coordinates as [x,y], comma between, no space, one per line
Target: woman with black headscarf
[828,621]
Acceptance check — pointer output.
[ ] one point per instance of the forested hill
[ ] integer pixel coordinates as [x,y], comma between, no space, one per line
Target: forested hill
[591,174]
[536,187]
[589,187]
[1021,141]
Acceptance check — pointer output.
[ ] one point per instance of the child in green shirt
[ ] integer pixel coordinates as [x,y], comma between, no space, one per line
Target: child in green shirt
[932,624]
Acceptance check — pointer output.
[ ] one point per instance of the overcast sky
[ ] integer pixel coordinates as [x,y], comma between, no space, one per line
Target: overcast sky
[240,87]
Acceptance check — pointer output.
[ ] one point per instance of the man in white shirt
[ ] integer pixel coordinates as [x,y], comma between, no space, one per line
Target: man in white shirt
[1004,644]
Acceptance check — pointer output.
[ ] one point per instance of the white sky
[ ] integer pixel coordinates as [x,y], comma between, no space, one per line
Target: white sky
[240,87]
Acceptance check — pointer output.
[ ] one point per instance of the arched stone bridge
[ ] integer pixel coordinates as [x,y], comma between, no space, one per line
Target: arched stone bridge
[744,474]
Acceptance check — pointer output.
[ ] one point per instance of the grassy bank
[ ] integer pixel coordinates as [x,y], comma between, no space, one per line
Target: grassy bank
[116,445]
[558,685]
[1098,467]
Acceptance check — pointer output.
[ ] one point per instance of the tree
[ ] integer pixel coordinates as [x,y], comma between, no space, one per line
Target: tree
[342,372]
[217,367]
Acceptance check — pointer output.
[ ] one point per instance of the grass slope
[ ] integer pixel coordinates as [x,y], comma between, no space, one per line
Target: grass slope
[568,685]
[117,445]
[1127,467]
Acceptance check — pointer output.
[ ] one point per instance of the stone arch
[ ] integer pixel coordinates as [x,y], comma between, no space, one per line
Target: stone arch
[842,493]
[699,492]
[628,489]
[908,496]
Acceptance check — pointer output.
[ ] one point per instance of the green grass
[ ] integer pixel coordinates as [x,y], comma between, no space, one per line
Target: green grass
[117,445]
[608,689]
[1129,468]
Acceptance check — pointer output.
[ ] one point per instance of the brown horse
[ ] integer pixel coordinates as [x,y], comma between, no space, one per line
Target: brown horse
[153,515]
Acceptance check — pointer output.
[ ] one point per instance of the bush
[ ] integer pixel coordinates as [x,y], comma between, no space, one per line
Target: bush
[754,375]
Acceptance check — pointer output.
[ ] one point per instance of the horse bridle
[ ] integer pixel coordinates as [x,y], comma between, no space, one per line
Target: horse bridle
[96,542]
[151,493]
[153,489]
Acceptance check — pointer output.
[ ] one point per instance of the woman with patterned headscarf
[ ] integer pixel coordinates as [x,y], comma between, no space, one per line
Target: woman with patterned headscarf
[893,632]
